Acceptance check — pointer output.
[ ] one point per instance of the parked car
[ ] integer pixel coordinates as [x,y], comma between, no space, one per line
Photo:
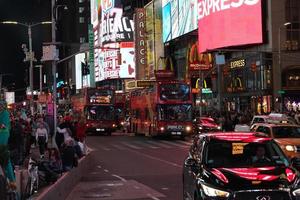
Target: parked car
[205,124]
[239,166]
[286,135]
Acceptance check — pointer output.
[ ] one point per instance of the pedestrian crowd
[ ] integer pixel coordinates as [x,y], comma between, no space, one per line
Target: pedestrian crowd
[23,134]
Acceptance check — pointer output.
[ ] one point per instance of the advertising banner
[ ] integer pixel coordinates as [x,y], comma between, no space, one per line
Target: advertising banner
[179,17]
[115,27]
[198,61]
[140,43]
[118,62]
[229,23]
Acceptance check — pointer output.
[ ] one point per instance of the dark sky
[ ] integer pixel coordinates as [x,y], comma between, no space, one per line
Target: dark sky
[13,36]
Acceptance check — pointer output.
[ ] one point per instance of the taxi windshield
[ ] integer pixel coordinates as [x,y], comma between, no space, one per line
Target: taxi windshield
[232,154]
[286,132]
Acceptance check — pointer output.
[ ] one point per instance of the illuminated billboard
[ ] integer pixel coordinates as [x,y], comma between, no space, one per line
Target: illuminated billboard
[114,33]
[179,17]
[81,74]
[227,23]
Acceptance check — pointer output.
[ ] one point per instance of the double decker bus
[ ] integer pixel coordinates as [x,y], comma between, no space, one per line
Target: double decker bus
[164,109]
[121,105]
[97,106]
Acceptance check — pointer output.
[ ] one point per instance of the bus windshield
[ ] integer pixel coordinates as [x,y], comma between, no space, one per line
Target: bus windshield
[174,91]
[100,112]
[175,112]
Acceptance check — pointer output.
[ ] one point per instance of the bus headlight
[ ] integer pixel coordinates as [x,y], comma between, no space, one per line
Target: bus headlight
[219,127]
[188,128]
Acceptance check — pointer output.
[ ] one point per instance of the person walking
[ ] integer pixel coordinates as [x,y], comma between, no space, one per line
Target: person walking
[42,138]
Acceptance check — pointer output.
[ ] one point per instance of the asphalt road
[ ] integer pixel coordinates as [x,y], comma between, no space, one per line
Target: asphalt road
[133,168]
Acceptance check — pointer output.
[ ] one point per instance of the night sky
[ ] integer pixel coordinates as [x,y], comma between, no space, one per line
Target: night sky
[13,36]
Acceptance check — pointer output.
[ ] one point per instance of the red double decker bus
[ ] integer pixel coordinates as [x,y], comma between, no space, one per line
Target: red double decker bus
[164,109]
[97,106]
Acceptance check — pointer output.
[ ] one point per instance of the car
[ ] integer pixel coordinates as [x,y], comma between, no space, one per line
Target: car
[242,128]
[205,124]
[239,166]
[286,135]
[272,118]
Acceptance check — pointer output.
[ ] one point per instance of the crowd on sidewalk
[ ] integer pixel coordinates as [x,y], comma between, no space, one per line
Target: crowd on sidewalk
[23,136]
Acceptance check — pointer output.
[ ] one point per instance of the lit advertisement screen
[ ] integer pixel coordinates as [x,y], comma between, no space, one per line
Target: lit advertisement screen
[79,59]
[117,63]
[227,23]
[115,34]
[179,18]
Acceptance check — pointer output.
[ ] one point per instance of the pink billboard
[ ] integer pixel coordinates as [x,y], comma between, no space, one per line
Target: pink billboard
[224,23]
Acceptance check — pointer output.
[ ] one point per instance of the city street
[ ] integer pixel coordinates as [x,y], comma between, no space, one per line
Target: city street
[138,168]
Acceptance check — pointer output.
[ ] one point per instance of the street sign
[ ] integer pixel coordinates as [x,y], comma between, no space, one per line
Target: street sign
[50,53]
[220,59]
[281,92]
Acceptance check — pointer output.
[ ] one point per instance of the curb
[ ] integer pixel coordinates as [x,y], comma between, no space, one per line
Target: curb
[65,184]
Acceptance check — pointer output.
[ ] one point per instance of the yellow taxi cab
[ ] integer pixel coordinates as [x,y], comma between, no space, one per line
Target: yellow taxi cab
[285,134]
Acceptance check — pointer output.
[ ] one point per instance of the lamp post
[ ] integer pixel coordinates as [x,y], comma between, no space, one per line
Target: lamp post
[30,57]
[54,14]
[279,60]
[31,54]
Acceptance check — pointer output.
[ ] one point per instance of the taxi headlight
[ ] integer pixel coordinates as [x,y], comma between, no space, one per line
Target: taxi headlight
[212,192]
[122,123]
[296,192]
[114,125]
[188,128]
[290,148]
[162,128]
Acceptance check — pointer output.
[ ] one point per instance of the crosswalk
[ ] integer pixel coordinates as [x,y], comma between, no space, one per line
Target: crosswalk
[147,144]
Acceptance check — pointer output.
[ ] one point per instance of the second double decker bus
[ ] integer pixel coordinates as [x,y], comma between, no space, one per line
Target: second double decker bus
[164,109]
[97,106]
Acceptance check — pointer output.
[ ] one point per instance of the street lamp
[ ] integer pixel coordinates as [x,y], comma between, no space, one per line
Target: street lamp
[31,58]
[279,60]
[31,55]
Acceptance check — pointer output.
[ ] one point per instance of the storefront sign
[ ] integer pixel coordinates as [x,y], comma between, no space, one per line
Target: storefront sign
[145,83]
[163,74]
[199,61]
[236,64]
[227,19]
[140,43]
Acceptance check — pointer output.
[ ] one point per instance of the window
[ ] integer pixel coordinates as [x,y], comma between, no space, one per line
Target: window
[263,129]
[81,20]
[81,9]
[81,1]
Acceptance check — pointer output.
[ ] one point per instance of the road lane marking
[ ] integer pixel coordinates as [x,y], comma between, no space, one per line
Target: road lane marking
[104,148]
[174,144]
[152,197]
[146,145]
[105,170]
[131,145]
[158,143]
[119,177]
[165,188]
[158,159]
[99,167]
[118,147]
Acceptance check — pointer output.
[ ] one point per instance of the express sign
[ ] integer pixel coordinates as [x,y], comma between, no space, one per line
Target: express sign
[225,23]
